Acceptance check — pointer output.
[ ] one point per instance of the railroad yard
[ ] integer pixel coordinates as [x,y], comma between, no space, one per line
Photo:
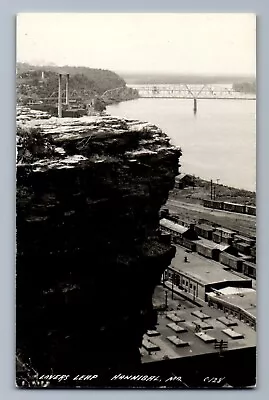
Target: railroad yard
[244,224]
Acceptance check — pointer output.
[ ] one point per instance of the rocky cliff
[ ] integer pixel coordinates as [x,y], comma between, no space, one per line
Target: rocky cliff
[89,250]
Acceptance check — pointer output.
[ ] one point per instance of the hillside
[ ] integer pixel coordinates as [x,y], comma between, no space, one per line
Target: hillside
[245,87]
[85,83]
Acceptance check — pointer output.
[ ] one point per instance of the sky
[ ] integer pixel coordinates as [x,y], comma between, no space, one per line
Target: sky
[207,44]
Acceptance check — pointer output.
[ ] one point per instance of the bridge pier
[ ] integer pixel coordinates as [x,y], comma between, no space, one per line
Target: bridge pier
[195,105]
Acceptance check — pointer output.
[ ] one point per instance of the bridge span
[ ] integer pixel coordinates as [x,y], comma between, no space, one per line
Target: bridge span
[192,91]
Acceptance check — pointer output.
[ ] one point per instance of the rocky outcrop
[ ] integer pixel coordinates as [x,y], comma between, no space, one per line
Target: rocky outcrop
[89,251]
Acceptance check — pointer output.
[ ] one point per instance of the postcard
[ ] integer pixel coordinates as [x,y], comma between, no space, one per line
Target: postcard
[136,200]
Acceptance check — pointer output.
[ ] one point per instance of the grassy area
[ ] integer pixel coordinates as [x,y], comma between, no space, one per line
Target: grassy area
[202,190]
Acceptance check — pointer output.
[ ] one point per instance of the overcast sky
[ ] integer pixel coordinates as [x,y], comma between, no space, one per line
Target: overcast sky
[221,44]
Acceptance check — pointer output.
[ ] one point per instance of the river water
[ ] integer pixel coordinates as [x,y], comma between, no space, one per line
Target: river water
[218,143]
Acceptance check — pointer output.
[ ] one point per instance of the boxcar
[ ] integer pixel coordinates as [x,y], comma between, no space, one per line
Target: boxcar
[207,251]
[231,261]
[244,239]
[253,251]
[204,231]
[251,210]
[242,247]
[189,244]
[249,269]
[222,235]
[213,204]
[233,207]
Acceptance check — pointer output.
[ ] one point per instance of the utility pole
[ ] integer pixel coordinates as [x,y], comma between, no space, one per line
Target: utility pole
[166,303]
[217,184]
[211,188]
[173,285]
[194,290]
[60,111]
[67,91]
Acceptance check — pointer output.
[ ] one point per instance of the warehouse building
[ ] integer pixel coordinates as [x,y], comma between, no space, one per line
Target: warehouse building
[178,231]
[198,275]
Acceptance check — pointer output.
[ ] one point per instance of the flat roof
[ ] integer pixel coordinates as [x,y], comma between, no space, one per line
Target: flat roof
[225,230]
[233,204]
[206,227]
[166,223]
[192,342]
[251,264]
[201,269]
[212,245]
[244,298]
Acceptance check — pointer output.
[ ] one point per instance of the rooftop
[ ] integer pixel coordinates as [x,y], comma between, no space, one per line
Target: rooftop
[224,230]
[182,339]
[212,245]
[201,269]
[166,223]
[205,227]
[244,298]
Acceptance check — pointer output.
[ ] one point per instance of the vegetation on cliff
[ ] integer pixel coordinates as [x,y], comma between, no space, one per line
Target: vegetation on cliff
[89,249]
[40,82]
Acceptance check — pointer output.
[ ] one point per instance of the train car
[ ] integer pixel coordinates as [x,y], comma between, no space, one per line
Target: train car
[253,251]
[213,204]
[251,210]
[233,207]
[204,231]
[222,235]
[244,239]
[231,261]
[189,244]
[249,269]
[207,251]
[242,247]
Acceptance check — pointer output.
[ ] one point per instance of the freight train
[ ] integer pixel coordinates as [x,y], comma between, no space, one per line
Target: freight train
[232,207]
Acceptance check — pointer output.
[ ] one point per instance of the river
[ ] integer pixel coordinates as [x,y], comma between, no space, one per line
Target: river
[218,143]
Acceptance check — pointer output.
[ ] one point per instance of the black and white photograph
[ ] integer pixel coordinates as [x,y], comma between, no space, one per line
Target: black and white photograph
[136,201]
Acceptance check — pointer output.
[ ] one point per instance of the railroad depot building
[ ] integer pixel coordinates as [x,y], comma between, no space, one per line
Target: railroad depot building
[197,276]
[236,302]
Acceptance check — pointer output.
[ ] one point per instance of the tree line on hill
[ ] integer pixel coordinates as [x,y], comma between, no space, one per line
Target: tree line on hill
[245,87]
[39,82]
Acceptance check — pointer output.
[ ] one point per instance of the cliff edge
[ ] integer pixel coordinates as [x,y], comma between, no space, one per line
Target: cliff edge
[89,249]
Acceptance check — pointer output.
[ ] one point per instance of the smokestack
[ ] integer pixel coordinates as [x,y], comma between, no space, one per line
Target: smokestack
[60,97]
[42,75]
[67,91]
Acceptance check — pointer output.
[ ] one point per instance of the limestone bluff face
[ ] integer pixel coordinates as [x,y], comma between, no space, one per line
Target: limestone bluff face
[89,250]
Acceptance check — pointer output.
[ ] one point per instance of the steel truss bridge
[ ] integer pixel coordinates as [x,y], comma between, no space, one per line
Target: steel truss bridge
[192,91]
